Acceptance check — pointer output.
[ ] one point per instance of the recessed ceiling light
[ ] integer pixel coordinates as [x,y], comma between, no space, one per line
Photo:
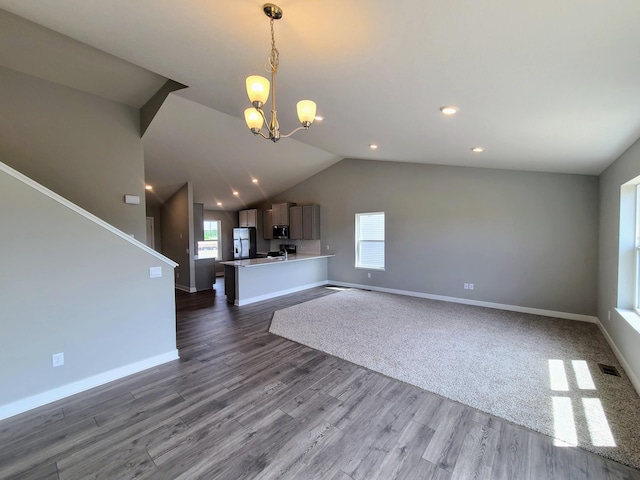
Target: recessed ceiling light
[148,187]
[373,146]
[319,118]
[254,180]
[219,204]
[477,149]
[449,110]
[236,193]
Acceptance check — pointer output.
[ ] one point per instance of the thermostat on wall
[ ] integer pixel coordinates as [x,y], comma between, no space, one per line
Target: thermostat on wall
[132,199]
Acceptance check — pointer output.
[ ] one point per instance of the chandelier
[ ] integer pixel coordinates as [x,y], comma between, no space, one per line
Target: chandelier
[258,92]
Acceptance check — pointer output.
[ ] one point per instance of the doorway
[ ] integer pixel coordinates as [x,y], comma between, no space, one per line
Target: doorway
[151,240]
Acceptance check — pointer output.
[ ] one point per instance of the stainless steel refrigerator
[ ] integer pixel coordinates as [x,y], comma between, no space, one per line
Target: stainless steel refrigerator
[244,243]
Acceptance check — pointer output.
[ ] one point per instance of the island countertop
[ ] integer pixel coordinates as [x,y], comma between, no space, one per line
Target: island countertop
[257,262]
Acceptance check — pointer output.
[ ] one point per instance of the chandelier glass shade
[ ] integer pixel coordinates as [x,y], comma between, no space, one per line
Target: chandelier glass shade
[258,89]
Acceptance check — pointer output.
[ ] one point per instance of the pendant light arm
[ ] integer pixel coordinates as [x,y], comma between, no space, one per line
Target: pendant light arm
[303,127]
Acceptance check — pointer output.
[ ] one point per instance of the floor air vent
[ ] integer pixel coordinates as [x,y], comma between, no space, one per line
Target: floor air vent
[609,369]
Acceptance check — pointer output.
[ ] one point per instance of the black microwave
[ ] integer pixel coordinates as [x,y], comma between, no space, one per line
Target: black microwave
[281,231]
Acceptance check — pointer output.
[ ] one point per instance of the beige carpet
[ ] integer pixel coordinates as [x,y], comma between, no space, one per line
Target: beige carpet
[535,371]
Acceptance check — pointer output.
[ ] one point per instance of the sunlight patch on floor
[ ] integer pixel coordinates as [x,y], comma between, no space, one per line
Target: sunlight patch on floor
[601,435]
[564,419]
[339,289]
[583,375]
[558,376]
[564,426]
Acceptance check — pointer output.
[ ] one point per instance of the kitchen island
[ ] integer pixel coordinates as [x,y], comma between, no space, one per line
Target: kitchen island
[205,273]
[256,279]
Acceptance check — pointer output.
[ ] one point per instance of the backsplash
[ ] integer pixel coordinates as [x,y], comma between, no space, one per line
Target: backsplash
[310,247]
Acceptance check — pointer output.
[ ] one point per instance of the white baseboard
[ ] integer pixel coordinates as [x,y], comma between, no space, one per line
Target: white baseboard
[260,298]
[623,361]
[478,303]
[182,288]
[59,393]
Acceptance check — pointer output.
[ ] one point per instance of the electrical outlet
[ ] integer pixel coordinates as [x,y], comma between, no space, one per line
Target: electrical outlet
[609,315]
[471,286]
[57,359]
[466,286]
[327,248]
[368,274]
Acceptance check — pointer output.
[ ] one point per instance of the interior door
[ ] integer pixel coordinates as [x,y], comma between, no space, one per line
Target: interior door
[151,241]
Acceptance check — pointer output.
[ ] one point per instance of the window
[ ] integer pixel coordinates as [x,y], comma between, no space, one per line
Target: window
[629,247]
[210,246]
[636,302]
[370,240]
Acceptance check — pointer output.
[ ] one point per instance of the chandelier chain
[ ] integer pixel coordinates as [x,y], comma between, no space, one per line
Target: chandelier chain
[274,58]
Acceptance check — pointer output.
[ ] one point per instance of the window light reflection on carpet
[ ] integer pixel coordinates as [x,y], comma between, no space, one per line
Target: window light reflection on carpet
[558,376]
[564,426]
[599,430]
[564,419]
[583,375]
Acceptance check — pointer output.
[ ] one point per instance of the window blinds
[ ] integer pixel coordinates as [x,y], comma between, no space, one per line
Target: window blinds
[370,240]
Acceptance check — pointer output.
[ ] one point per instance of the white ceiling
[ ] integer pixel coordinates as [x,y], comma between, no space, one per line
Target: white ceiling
[542,85]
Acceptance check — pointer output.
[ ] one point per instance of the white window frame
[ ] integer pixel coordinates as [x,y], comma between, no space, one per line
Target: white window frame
[636,291]
[358,241]
[219,240]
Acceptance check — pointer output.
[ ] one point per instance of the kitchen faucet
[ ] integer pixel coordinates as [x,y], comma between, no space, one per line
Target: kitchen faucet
[286,254]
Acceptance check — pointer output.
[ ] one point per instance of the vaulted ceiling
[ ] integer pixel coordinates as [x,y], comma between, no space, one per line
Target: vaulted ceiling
[541,85]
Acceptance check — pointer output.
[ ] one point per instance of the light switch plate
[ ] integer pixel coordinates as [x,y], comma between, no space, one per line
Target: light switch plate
[57,359]
[155,272]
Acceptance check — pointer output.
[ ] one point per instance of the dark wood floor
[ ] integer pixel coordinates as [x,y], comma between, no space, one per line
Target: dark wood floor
[242,403]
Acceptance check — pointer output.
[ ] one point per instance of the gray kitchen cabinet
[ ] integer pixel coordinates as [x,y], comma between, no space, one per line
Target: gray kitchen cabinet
[281,213]
[311,222]
[295,223]
[267,223]
[304,222]
[249,218]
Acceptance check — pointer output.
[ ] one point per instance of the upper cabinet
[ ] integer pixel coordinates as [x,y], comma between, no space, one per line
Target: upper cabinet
[311,222]
[305,222]
[281,213]
[295,223]
[249,218]
[268,224]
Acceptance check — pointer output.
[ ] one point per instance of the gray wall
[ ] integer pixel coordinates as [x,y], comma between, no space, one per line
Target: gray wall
[82,147]
[69,285]
[625,336]
[228,221]
[524,239]
[177,231]
[198,225]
